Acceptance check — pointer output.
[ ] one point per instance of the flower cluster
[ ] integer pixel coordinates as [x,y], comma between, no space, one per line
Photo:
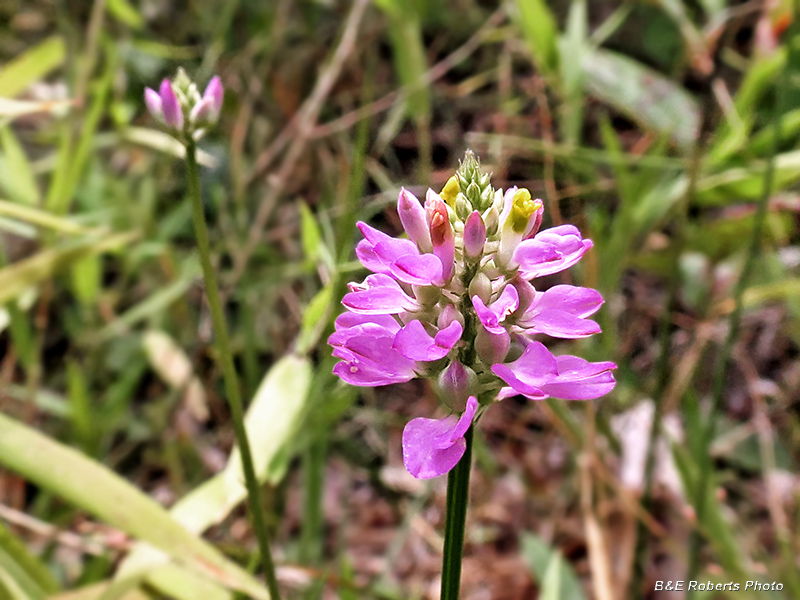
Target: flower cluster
[179,106]
[454,303]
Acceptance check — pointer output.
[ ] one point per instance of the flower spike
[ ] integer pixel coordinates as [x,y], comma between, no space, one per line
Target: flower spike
[458,302]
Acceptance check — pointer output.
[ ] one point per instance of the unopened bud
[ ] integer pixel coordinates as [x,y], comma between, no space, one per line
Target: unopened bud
[481,286]
[455,385]
[491,348]
[414,220]
[442,238]
[463,207]
[449,314]
[491,218]
[474,235]
[171,108]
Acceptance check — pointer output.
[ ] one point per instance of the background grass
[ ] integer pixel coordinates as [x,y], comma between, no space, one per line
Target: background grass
[666,130]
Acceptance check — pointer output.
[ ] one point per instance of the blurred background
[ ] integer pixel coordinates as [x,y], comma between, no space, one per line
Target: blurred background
[666,130]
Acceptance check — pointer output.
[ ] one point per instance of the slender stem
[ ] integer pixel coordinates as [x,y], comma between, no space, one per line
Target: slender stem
[457,498]
[229,370]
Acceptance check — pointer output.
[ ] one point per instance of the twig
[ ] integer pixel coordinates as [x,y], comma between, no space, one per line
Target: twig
[595,539]
[51,532]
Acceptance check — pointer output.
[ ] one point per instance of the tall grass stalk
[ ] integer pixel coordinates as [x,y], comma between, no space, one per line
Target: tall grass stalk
[229,370]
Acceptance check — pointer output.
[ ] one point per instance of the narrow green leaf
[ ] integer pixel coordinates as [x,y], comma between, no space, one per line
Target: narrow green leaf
[539,29]
[551,582]
[17,581]
[572,46]
[86,275]
[99,491]
[642,94]
[309,233]
[124,12]
[31,66]
[556,577]
[16,550]
[41,218]
[16,177]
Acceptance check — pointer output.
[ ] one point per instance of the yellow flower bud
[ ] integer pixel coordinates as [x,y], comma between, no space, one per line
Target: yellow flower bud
[522,208]
[450,191]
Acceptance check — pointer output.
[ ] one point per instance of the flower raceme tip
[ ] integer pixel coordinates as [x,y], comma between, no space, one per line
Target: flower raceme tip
[179,106]
[456,303]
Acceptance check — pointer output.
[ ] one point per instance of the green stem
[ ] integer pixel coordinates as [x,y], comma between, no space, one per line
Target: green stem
[229,370]
[456,511]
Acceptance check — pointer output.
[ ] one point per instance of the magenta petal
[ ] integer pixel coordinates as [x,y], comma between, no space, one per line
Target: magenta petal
[349,319]
[414,220]
[153,102]
[466,419]
[365,252]
[564,239]
[491,316]
[215,94]
[581,380]
[507,303]
[203,112]
[533,255]
[173,114]
[432,447]
[561,324]
[413,342]
[486,316]
[449,336]
[380,294]
[530,372]
[368,357]
[422,269]
[578,301]
[368,375]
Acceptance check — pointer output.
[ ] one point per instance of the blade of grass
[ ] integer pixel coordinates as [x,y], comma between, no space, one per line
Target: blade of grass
[31,66]
[94,488]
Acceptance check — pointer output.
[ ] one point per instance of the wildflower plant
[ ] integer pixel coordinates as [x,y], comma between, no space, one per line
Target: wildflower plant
[455,302]
[187,115]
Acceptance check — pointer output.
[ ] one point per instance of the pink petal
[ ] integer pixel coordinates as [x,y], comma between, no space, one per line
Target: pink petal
[432,447]
[349,319]
[561,324]
[153,102]
[215,94]
[173,114]
[412,216]
[578,301]
[530,372]
[380,294]
[423,269]
[581,380]
[491,316]
[564,239]
[413,342]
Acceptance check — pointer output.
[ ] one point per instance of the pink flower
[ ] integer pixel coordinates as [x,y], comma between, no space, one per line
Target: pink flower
[456,301]
[178,105]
